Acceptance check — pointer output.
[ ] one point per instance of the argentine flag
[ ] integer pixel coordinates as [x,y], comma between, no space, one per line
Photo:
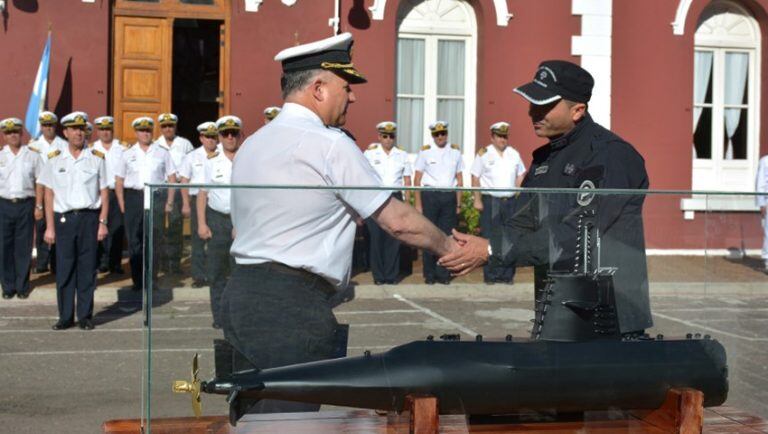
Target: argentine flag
[37,99]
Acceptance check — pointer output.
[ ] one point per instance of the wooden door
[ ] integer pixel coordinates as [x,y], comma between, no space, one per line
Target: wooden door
[141,71]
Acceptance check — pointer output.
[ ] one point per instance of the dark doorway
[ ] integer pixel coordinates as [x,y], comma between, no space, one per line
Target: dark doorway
[195,74]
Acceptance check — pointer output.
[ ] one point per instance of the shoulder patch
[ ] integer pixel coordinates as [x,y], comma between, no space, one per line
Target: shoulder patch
[454,146]
[97,153]
[54,153]
[425,147]
[213,154]
[373,146]
[33,148]
[482,151]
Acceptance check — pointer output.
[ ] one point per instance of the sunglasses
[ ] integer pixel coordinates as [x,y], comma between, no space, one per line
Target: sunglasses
[229,133]
[168,126]
[387,136]
[440,133]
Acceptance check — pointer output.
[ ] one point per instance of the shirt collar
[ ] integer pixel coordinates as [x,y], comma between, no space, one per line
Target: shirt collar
[573,135]
[299,110]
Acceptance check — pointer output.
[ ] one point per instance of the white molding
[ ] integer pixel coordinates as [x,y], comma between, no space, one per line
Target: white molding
[502,11]
[678,26]
[699,252]
[717,203]
[253,5]
[289,2]
[594,45]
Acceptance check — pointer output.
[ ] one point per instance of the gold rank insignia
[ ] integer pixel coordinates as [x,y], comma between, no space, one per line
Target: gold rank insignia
[482,152]
[455,146]
[97,153]
[53,153]
[33,149]
[213,154]
[373,146]
[425,147]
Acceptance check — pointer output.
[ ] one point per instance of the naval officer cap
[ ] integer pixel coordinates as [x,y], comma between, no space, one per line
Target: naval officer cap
[47,118]
[167,119]
[229,123]
[143,123]
[438,126]
[75,119]
[271,112]
[10,125]
[332,54]
[208,129]
[558,79]
[387,127]
[104,122]
[500,128]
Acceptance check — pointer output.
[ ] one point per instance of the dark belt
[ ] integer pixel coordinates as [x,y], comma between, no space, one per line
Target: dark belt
[17,200]
[223,214]
[78,211]
[298,272]
[503,199]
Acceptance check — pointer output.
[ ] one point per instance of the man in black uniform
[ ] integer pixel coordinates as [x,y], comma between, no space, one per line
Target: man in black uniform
[542,230]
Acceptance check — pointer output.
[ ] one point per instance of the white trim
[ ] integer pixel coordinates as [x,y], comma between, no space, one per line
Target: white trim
[502,11]
[594,46]
[719,203]
[253,5]
[678,25]
[698,252]
[534,100]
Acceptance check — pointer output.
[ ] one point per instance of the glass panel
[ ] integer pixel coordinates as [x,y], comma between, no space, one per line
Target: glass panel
[450,68]
[736,72]
[410,123]
[735,137]
[410,66]
[702,136]
[702,79]
[452,111]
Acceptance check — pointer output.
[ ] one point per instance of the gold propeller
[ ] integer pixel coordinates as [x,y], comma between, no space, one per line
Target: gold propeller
[192,387]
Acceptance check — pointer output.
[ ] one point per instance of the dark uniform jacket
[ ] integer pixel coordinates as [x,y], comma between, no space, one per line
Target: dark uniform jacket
[542,227]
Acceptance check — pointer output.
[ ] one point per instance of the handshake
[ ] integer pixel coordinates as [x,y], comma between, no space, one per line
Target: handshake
[463,253]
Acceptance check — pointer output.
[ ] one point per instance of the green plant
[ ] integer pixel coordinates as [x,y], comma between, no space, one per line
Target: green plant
[469,218]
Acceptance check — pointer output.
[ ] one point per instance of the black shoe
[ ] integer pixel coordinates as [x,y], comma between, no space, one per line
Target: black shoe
[199,283]
[103,269]
[489,282]
[85,324]
[429,281]
[117,270]
[444,281]
[136,288]
[40,270]
[62,325]
[22,296]
[7,296]
[379,282]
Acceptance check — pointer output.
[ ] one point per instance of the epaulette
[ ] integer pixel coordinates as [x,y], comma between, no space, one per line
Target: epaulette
[425,147]
[482,152]
[455,146]
[97,153]
[399,147]
[32,148]
[213,154]
[53,153]
[373,146]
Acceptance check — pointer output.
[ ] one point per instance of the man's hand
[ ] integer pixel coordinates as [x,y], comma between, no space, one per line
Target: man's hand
[38,214]
[168,207]
[186,211]
[103,232]
[204,232]
[50,235]
[472,254]
[478,205]
[419,208]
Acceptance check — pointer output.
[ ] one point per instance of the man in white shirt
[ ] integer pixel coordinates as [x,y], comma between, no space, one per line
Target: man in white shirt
[497,165]
[193,171]
[111,248]
[391,164]
[762,202]
[45,145]
[438,165]
[76,209]
[178,146]
[213,211]
[19,169]
[293,248]
[143,163]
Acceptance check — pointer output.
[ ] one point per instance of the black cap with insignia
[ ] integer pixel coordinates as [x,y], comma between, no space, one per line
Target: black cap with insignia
[556,79]
[332,54]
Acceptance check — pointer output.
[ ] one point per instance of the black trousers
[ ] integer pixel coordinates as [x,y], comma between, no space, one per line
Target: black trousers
[17,222]
[198,245]
[135,231]
[492,215]
[220,261]
[173,237]
[46,255]
[277,316]
[439,207]
[111,249]
[76,256]
[384,253]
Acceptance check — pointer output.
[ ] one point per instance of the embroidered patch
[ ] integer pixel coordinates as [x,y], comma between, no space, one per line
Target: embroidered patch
[585,198]
[569,169]
[541,170]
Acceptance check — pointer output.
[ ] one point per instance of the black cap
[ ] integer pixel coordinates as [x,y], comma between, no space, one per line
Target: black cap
[556,79]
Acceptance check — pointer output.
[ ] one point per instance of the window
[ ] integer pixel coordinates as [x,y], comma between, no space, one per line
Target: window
[725,136]
[436,61]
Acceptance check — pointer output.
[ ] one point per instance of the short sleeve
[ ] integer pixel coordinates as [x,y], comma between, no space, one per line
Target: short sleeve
[345,165]
[459,163]
[170,168]
[520,168]
[207,174]
[120,167]
[421,162]
[185,171]
[477,166]
[46,175]
[407,170]
[103,181]
[39,165]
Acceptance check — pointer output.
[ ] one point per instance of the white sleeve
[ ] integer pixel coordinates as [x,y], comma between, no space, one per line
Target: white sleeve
[420,163]
[39,165]
[762,183]
[46,177]
[185,171]
[460,163]
[407,170]
[207,174]
[120,167]
[477,166]
[170,168]
[103,181]
[520,167]
[345,165]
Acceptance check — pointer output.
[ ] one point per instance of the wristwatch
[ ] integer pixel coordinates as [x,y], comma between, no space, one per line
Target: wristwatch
[40,207]
[103,221]
[490,250]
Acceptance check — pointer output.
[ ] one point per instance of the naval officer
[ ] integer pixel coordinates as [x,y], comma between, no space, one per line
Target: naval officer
[497,165]
[192,170]
[438,165]
[391,164]
[76,210]
[20,167]
[270,113]
[293,248]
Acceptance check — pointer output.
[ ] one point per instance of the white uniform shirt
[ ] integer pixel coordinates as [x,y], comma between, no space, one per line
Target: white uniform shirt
[498,170]
[137,167]
[439,166]
[18,172]
[391,167]
[112,158]
[309,229]
[218,171]
[76,182]
[762,182]
[193,167]
[178,149]
[44,148]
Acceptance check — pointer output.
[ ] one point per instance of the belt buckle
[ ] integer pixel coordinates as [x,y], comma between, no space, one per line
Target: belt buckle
[15,200]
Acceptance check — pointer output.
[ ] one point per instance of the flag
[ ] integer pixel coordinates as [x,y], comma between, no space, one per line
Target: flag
[37,99]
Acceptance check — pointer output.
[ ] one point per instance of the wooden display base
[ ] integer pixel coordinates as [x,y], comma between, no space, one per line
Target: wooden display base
[681,413]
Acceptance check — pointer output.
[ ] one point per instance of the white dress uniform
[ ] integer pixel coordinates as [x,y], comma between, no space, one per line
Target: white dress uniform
[138,168]
[761,201]
[178,148]
[46,149]
[309,229]
[498,170]
[218,171]
[193,167]
[391,167]
[18,173]
[439,165]
[112,158]
[76,182]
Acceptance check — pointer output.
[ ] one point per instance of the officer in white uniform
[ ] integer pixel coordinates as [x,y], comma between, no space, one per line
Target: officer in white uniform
[497,165]
[143,163]
[111,249]
[293,248]
[45,145]
[270,113]
[762,202]
[193,170]
[213,211]
[438,165]
[391,164]
[172,235]
[19,169]
[76,210]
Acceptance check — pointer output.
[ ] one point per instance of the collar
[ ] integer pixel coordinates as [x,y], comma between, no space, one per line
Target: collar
[298,110]
[573,135]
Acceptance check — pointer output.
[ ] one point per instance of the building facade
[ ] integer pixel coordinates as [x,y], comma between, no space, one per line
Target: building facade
[682,80]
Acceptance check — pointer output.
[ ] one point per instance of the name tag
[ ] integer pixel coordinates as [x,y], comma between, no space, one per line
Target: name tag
[541,170]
